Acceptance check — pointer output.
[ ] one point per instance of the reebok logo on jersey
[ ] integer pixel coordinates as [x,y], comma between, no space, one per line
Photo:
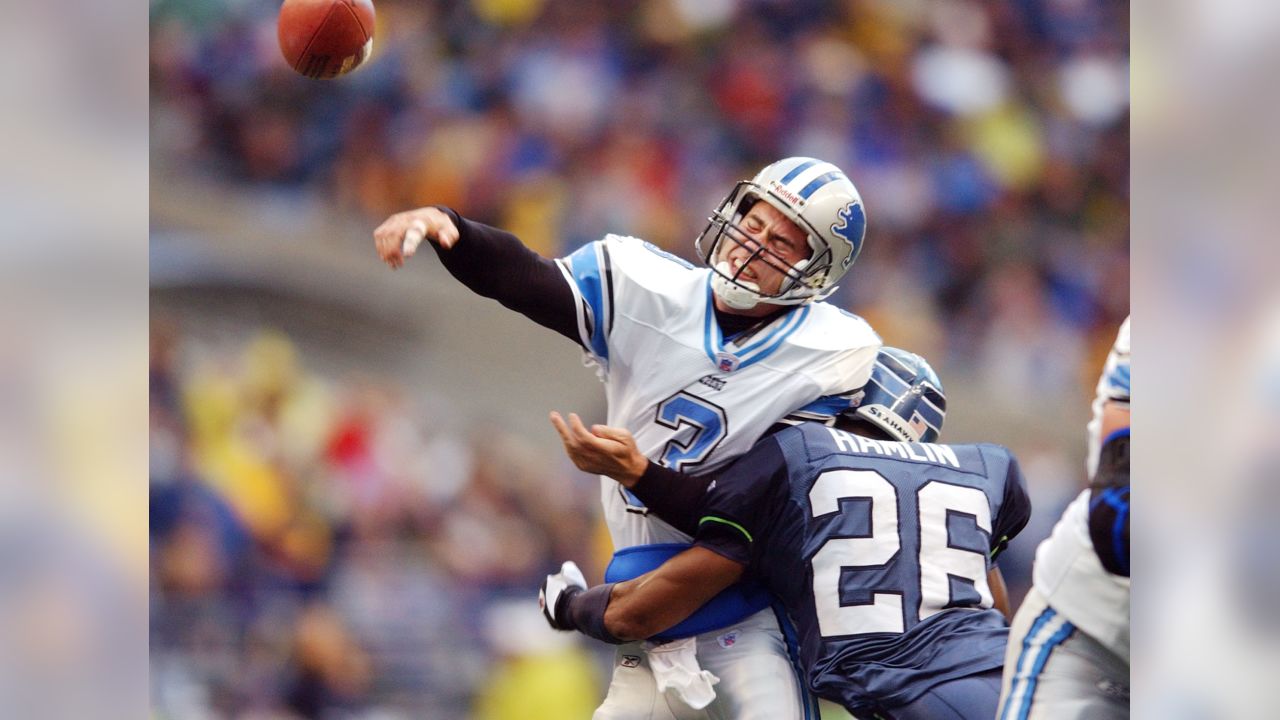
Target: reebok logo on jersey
[630,661]
[713,382]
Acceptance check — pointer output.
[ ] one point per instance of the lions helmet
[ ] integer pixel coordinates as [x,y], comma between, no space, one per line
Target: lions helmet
[903,398]
[815,195]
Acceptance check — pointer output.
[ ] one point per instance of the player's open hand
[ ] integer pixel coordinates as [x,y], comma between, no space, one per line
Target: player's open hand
[603,449]
[398,237]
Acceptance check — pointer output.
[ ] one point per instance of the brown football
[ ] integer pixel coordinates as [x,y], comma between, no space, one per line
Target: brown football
[325,38]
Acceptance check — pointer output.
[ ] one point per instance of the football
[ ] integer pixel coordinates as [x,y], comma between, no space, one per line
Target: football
[325,38]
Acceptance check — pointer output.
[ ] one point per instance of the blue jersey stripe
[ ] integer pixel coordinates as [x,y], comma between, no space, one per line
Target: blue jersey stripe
[584,264]
[795,322]
[781,328]
[713,340]
[818,182]
[795,171]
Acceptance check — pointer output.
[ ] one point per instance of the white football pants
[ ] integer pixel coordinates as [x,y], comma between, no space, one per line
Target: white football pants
[1053,671]
[757,679]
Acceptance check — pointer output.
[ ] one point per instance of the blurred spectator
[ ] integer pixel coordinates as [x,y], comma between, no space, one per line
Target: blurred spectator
[316,553]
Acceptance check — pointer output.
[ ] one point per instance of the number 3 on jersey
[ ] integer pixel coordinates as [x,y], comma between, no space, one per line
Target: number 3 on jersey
[938,561]
[709,426]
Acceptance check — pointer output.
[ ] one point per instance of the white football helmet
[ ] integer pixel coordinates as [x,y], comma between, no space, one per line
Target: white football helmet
[815,195]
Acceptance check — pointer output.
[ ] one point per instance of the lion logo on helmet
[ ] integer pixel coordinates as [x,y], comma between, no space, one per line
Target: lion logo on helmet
[850,226]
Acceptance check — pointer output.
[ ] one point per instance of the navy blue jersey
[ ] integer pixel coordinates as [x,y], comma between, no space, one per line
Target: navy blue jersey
[879,551]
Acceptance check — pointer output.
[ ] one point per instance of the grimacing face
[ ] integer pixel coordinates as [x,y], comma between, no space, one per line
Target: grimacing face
[783,243]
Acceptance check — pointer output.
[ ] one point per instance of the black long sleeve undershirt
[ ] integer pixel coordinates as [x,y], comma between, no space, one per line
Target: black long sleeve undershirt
[493,263]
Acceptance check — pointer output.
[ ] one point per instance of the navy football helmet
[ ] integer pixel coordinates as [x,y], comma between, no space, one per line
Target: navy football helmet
[903,398]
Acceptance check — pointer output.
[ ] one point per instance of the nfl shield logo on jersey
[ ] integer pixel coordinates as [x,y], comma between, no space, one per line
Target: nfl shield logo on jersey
[728,639]
[726,362]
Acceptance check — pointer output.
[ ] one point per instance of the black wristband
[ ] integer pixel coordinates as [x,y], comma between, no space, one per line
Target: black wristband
[583,610]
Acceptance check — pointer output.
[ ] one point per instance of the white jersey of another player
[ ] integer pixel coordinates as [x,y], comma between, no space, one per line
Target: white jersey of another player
[1069,575]
[1113,387]
[1051,670]
[1067,571]
[693,399]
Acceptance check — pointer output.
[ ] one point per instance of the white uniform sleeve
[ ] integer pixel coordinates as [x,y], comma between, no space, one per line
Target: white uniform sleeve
[1113,386]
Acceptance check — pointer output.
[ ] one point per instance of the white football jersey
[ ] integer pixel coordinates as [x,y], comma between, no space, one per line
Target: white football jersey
[1067,570]
[1113,386]
[1069,575]
[693,399]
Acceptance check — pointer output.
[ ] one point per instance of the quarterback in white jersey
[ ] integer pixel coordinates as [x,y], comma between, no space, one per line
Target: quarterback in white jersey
[698,363]
[1068,653]
[693,398]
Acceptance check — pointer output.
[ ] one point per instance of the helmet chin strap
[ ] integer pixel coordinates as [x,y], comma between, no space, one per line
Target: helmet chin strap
[731,294]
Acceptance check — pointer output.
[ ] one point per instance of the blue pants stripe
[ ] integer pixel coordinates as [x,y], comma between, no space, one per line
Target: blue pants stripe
[1024,683]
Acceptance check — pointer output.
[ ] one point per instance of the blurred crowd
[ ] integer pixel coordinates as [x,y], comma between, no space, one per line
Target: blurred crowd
[327,547]
[989,139]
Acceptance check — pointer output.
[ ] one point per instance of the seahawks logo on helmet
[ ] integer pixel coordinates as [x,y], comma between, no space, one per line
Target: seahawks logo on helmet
[851,222]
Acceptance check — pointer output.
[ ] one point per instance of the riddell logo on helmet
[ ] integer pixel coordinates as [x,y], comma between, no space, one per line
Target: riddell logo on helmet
[784,193]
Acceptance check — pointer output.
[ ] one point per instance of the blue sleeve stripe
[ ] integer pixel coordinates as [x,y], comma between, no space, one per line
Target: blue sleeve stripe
[585,267]
[1118,432]
[1116,498]
[1119,547]
[829,405]
[1118,379]
[608,284]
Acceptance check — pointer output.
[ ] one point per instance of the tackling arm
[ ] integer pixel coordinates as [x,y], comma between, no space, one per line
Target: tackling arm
[611,451]
[999,592]
[660,599]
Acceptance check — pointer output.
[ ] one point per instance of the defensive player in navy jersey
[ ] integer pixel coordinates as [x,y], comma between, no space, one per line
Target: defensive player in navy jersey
[879,543]
[697,364]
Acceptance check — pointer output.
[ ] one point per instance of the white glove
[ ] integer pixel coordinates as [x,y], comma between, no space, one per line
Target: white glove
[555,589]
[675,668]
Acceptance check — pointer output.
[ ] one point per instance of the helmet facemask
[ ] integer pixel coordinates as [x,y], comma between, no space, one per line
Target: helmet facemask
[801,282]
